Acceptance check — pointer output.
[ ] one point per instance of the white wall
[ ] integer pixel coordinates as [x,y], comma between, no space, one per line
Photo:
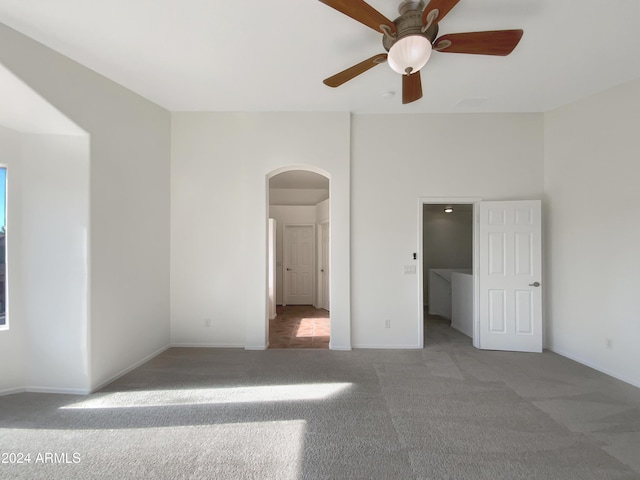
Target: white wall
[593,231]
[395,160]
[220,168]
[12,356]
[55,222]
[462,303]
[323,211]
[129,202]
[287,214]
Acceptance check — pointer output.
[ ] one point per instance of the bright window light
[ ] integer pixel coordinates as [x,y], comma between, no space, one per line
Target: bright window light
[205,396]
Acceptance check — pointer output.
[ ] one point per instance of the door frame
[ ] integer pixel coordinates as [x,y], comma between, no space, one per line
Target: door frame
[475,202]
[313,256]
[257,330]
[320,290]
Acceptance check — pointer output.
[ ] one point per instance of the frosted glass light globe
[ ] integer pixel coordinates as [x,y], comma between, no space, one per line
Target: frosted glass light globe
[409,54]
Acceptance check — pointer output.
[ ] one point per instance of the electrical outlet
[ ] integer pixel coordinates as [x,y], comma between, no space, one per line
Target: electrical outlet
[387,324]
[609,344]
[207,322]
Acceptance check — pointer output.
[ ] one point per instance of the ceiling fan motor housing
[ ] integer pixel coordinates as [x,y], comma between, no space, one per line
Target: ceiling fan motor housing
[409,23]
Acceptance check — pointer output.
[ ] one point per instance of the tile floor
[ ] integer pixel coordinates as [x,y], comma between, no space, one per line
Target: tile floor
[299,326]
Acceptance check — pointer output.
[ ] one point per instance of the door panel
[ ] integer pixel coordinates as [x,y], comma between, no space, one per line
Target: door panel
[299,248]
[510,271]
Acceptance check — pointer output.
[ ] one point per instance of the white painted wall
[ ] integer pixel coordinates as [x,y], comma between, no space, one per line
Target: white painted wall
[592,231]
[12,356]
[462,303]
[287,214]
[322,211]
[129,202]
[220,168]
[395,160]
[55,221]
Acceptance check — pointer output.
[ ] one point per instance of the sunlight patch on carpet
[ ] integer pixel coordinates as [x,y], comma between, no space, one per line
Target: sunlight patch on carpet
[204,396]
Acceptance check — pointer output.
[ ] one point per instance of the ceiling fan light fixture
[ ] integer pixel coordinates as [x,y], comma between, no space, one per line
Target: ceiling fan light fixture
[409,54]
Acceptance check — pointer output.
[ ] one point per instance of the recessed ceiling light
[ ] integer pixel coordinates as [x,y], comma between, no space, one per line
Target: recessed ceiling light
[448,210]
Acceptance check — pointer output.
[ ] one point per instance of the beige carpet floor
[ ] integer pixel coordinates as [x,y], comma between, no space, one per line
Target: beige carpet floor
[448,411]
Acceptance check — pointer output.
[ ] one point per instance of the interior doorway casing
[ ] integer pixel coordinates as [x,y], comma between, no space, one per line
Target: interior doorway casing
[340,322]
[475,202]
[324,290]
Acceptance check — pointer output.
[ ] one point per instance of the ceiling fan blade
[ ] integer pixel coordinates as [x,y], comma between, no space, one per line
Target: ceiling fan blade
[411,87]
[498,42]
[362,12]
[351,72]
[443,7]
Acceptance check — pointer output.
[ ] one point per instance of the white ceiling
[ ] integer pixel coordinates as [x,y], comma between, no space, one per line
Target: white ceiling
[212,55]
[299,179]
[298,187]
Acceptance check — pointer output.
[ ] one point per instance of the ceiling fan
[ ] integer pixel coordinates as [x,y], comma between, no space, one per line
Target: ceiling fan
[410,38]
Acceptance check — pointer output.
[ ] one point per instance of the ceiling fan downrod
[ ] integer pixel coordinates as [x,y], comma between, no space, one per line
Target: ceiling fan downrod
[409,23]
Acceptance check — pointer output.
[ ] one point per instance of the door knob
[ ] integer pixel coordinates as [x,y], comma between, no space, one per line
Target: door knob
[534,284]
[288,269]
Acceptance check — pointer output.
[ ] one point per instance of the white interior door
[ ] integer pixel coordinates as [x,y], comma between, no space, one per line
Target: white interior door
[324,267]
[510,272]
[298,264]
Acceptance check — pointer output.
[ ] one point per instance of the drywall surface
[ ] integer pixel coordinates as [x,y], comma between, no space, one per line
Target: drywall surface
[593,231]
[396,159]
[129,202]
[221,163]
[322,211]
[462,303]
[55,215]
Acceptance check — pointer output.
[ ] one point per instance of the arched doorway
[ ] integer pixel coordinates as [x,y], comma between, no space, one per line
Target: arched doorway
[298,259]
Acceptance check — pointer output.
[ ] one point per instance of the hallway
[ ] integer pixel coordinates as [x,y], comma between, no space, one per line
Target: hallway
[299,326]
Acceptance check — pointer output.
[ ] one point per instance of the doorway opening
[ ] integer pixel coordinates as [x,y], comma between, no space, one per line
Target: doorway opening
[298,260]
[447,277]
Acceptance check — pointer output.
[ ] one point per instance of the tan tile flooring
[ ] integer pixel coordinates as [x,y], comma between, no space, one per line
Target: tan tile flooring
[299,326]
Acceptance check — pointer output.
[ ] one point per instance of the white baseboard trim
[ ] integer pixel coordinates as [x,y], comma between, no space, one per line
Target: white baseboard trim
[591,365]
[128,369]
[11,391]
[340,348]
[206,345]
[255,347]
[388,347]
[63,391]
